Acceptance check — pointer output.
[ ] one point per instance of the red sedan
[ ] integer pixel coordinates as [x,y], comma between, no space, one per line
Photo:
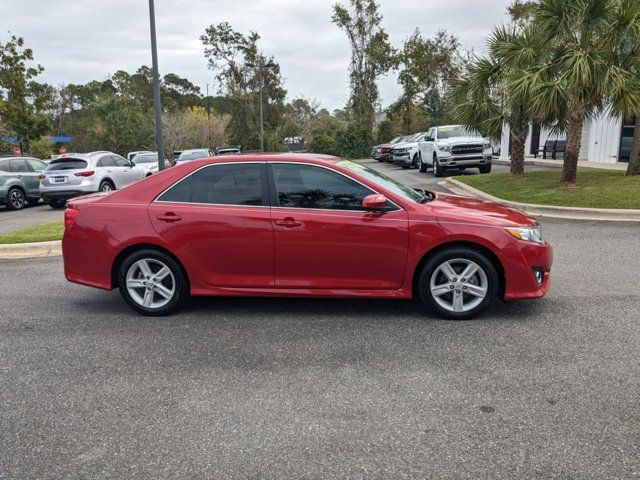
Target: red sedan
[300,225]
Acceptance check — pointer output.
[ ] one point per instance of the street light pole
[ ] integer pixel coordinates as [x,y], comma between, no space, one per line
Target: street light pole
[267,65]
[156,87]
[208,119]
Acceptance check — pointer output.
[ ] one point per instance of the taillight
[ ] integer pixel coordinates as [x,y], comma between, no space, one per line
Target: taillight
[70,215]
[41,177]
[88,173]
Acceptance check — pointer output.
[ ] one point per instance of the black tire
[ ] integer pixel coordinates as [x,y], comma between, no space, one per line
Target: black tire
[15,199]
[56,204]
[421,165]
[485,168]
[437,169]
[453,253]
[180,290]
[106,186]
[414,162]
[33,201]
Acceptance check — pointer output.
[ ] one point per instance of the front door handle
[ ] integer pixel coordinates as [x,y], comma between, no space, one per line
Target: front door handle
[288,222]
[169,217]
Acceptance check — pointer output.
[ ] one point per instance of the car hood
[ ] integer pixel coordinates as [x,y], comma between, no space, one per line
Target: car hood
[459,140]
[458,209]
[405,145]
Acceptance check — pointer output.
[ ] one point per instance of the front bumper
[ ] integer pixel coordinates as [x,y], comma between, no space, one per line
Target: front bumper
[525,257]
[447,160]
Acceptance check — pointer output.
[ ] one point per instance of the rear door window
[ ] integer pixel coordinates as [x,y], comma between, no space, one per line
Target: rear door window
[66,164]
[232,184]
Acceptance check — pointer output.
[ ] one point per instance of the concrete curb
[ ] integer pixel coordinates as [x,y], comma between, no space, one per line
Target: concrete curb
[31,250]
[574,213]
[582,165]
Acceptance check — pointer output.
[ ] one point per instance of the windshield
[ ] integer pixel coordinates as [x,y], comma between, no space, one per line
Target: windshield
[184,156]
[147,158]
[386,182]
[66,164]
[457,131]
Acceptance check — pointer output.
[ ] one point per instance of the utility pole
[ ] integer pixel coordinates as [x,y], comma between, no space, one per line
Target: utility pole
[156,86]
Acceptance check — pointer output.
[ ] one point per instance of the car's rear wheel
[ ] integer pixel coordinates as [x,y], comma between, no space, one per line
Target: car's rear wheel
[106,186]
[458,283]
[57,204]
[152,283]
[15,199]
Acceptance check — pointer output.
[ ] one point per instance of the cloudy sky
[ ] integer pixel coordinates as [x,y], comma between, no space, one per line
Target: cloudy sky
[81,40]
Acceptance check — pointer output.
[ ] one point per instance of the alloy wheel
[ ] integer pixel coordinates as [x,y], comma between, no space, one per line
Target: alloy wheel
[150,283]
[459,285]
[16,199]
[106,187]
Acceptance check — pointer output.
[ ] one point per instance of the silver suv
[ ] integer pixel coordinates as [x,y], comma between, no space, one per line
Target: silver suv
[79,174]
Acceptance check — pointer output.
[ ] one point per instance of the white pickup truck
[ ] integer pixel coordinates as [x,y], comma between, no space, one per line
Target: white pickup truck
[454,147]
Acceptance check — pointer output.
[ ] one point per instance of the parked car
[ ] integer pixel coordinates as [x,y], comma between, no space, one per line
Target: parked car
[381,152]
[131,155]
[194,154]
[19,182]
[406,153]
[455,147]
[148,161]
[80,174]
[227,150]
[300,225]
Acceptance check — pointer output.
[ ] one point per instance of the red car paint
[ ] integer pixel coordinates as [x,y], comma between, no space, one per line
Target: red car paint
[264,251]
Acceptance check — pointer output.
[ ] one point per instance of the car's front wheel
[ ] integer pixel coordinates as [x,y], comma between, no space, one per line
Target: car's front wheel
[422,167]
[485,169]
[458,283]
[437,169]
[152,282]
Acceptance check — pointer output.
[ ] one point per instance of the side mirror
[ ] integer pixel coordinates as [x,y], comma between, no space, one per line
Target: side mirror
[374,202]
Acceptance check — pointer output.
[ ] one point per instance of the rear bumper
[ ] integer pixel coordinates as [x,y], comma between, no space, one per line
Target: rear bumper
[64,194]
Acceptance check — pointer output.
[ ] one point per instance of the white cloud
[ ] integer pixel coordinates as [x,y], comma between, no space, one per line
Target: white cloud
[81,41]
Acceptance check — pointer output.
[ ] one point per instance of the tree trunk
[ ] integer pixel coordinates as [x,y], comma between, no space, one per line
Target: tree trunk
[634,160]
[518,138]
[572,151]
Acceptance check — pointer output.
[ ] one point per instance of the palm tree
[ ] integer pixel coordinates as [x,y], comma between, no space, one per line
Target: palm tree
[627,31]
[485,98]
[582,76]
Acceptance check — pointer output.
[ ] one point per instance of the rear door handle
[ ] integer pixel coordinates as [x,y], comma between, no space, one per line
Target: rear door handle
[169,217]
[288,222]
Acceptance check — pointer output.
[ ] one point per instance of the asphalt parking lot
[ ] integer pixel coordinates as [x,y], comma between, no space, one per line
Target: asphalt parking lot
[278,388]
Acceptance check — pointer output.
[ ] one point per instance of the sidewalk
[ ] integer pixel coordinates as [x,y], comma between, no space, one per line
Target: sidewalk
[558,163]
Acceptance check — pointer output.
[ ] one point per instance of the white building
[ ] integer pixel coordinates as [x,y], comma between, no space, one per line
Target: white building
[605,139]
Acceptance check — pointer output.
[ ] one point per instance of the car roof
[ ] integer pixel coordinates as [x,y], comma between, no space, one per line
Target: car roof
[271,157]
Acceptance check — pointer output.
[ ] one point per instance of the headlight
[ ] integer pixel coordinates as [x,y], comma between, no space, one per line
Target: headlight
[529,234]
[444,148]
[487,146]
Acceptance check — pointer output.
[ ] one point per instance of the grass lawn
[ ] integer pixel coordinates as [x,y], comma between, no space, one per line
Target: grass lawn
[595,188]
[36,233]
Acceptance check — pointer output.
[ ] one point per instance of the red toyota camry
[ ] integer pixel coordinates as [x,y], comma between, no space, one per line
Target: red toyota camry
[300,225]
